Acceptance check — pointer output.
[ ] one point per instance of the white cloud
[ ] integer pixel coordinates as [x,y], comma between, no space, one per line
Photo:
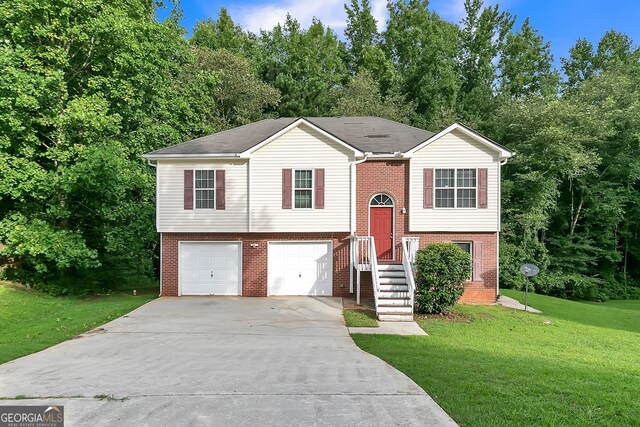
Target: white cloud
[267,15]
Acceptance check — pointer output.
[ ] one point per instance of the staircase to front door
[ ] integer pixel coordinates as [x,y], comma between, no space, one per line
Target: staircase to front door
[394,300]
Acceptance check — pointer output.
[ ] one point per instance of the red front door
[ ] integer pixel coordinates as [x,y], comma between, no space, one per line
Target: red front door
[381,228]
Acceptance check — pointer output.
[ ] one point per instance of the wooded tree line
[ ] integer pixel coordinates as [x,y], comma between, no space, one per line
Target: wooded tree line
[87,86]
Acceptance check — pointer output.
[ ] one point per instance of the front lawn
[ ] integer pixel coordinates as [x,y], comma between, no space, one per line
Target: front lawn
[31,321]
[576,364]
[360,318]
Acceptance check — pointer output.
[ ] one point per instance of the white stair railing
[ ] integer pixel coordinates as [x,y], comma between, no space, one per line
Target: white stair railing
[363,250]
[410,246]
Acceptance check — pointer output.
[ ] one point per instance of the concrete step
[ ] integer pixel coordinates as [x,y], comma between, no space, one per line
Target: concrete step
[391,273]
[393,294]
[392,280]
[391,317]
[394,287]
[394,301]
[401,309]
[390,267]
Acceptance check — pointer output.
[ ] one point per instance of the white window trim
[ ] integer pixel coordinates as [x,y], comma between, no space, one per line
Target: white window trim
[293,189]
[455,189]
[215,193]
[470,242]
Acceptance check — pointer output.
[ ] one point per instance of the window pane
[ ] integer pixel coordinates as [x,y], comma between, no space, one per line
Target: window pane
[467,198]
[445,178]
[303,179]
[303,199]
[444,198]
[467,178]
[205,199]
[205,179]
[465,246]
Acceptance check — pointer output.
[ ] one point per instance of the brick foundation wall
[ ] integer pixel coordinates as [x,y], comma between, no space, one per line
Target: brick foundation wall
[254,260]
[391,177]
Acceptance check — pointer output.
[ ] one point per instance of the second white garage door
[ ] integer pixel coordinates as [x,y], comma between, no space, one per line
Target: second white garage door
[300,268]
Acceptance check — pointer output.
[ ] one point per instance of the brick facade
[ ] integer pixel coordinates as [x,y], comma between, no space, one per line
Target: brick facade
[254,260]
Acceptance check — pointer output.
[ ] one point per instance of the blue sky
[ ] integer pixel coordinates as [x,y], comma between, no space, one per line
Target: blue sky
[561,22]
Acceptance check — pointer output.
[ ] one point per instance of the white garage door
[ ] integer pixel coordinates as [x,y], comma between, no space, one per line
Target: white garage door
[208,268]
[300,268]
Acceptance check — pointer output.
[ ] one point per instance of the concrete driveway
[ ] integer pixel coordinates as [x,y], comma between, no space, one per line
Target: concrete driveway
[221,361]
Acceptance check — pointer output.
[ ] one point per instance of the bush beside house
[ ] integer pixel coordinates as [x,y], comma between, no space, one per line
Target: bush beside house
[441,271]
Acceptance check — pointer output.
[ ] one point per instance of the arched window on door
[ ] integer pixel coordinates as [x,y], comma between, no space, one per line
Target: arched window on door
[381,200]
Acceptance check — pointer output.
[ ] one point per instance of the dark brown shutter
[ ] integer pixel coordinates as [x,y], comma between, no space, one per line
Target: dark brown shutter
[482,187]
[477,261]
[188,189]
[286,188]
[319,188]
[220,185]
[428,189]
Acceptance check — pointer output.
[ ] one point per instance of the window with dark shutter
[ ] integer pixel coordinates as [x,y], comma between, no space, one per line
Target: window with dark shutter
[483,175]
[286,188]
[428,189]
[188,189]
[220,189]
[319,188]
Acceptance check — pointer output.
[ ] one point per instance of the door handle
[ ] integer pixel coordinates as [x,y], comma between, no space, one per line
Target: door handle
[211,273]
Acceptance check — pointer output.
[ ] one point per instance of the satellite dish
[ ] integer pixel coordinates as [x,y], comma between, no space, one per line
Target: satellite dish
[529,270]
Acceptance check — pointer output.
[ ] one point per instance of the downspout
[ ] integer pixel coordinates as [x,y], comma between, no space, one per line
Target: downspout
[352,214]
[502,163]
[155,166]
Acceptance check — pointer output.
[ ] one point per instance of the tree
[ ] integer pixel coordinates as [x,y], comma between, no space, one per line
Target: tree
[86,88]
[526,65]
[424,49]
[361,32]
[224,85]
[362,97]
[221,34]
[304,65]
[483,37]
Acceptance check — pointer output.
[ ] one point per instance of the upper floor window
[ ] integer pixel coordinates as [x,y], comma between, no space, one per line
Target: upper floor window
[303,189]
[455,188]
[205,189]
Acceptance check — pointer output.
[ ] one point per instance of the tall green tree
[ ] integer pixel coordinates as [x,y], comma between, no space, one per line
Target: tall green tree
[483,35]
[222,33]
[361,32]
[526,65]
[305,65]
[424,48]
[362,97]
[86,88]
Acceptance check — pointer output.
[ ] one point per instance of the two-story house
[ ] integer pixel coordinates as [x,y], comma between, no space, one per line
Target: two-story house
[326,206]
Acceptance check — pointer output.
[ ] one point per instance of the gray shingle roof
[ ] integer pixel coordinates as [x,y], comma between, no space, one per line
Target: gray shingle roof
[367,134]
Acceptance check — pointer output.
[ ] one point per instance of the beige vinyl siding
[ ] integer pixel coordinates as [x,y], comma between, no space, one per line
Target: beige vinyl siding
[454,150]
[172,217]
[300,148]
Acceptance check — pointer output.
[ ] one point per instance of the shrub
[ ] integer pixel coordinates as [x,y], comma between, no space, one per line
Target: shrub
[441,270]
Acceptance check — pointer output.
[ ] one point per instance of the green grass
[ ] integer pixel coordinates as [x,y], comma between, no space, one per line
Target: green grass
[577,364]
[360,318]
[31,321]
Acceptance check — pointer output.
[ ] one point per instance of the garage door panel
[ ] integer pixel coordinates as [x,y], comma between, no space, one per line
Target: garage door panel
[297,268]
[210,268]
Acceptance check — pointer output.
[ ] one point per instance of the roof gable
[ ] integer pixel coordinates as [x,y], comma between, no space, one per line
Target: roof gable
[502,152]
[295,124]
